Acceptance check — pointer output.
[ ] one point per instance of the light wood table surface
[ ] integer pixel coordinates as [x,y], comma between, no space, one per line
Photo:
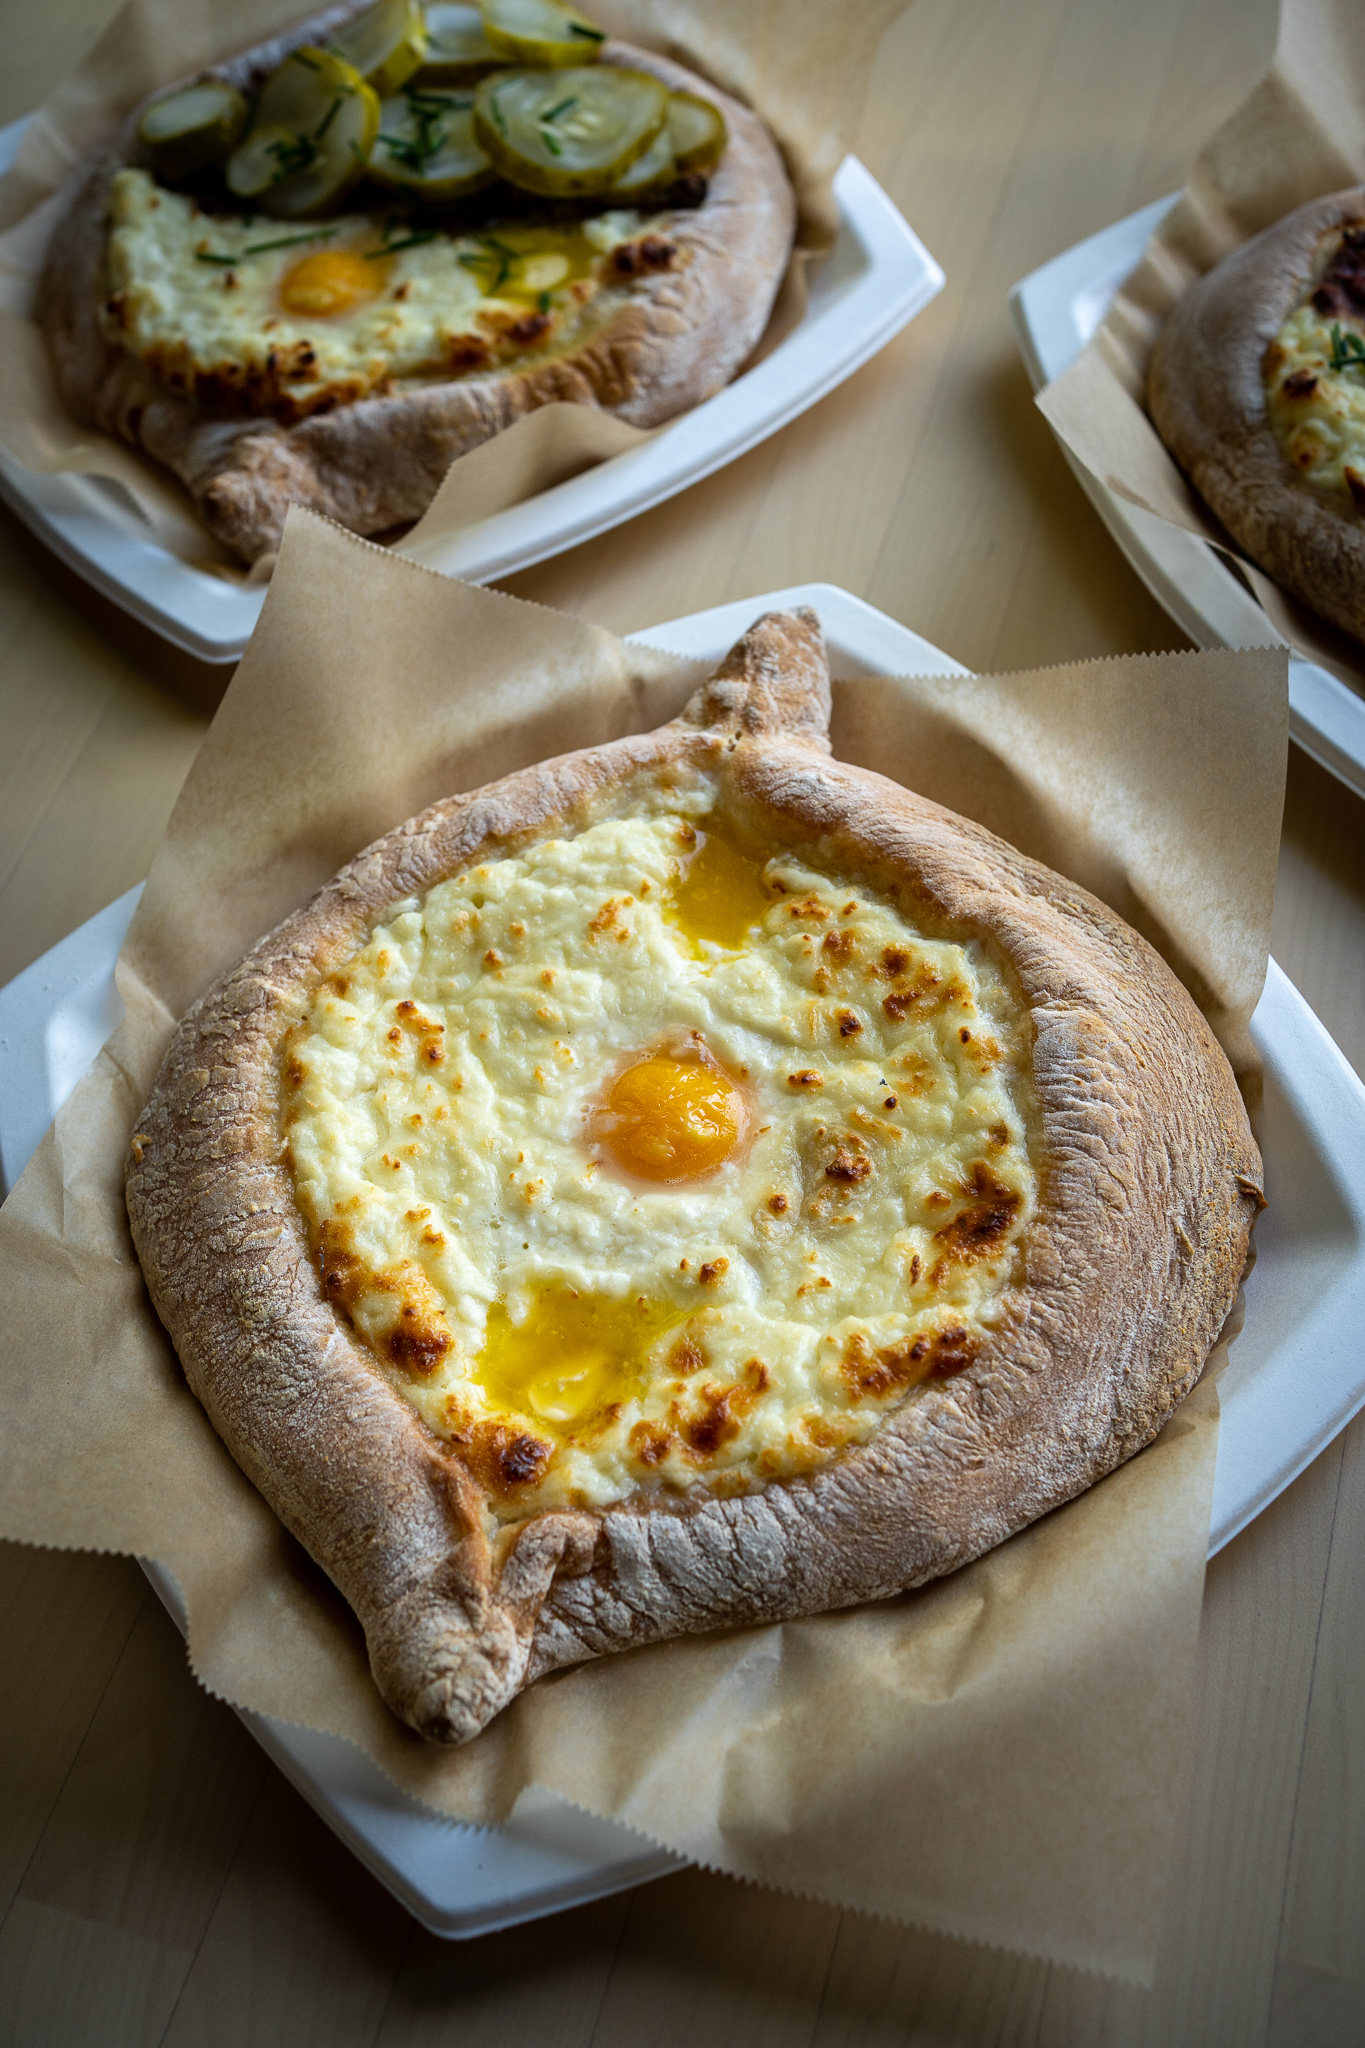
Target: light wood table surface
[159,1881]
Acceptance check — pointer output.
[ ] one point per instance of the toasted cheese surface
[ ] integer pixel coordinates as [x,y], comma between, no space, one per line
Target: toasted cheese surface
[1314,373]
[296,319]
[646,1163]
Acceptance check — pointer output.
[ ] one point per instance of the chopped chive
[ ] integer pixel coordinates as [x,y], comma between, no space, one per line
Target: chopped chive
[287,241]
[261,248]
[1348,350]
[551,142]
[562,108]
[311,62]
[544,302]
[591,35]
[326,121]
[483,262]
[408,242]
[497,113]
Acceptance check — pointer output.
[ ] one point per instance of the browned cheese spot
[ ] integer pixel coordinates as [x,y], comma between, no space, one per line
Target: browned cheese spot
[649,1444]
[712,1271]
[841,946]
[638,258]
[414,1345]
[778,1204]
[806,1078]
[686,1356]
[716,1425]
[609,916]
[981,1224]
[849,1025]
[937,1355]
[848,1165]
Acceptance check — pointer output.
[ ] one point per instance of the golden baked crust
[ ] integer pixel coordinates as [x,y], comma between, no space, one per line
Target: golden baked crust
[1149,1180]
[1206,395]
[686,324]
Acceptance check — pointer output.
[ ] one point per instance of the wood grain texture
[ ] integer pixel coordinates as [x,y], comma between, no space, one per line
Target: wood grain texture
[159,1881]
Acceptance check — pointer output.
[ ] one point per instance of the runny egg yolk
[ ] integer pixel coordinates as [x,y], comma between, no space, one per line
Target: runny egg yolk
[720,893]
[670,1119]
[574,1355]
[327,282]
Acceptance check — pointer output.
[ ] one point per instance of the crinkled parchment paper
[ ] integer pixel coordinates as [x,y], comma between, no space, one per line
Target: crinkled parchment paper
[1300,134]
[996,1756]
[803,64]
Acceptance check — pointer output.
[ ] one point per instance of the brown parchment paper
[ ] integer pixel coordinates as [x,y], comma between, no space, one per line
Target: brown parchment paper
[996,1756]
[803,65]
[1298,135]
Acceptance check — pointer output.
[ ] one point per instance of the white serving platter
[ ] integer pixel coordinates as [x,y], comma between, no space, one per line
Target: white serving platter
[876,278]
[1056,310]
[1296,1377]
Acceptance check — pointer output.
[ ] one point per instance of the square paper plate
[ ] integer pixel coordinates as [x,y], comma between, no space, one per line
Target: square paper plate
[1056,310]
[1297,1374]
[877,276]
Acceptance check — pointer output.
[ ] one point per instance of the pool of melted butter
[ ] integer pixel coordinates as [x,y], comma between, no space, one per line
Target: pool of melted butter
[643,1159]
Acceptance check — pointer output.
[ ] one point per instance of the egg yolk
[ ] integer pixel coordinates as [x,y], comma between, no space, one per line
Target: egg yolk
[720,893]
[668,1119]
[329,281]
[574,1355]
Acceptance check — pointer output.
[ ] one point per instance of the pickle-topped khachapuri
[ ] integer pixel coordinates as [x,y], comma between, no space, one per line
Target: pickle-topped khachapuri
[320,273]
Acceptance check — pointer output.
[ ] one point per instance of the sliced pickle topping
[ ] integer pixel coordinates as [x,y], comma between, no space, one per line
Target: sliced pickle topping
[385,44]
[569,131]
[458,51]
[427,147]
[653,172]
[696,130]
[186,130]
[315,125]
[540,32]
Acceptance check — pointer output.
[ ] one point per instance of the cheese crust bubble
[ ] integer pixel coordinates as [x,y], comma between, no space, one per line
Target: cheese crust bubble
[647,1164]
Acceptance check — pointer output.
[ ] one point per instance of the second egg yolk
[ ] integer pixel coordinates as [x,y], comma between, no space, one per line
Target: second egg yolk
[671,1120]
[329,281]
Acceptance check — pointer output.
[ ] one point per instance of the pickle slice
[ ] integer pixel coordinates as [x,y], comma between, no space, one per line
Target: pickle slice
[653,172]
[426,146]
[254,165]
[540,32]
[385,44]
[315,124]
[566,132]
[184,131]
[458,51]
[697,131]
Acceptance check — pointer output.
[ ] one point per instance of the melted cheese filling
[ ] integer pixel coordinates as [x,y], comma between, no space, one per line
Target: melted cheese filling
[1316,413]
[642,1162]
[330,316]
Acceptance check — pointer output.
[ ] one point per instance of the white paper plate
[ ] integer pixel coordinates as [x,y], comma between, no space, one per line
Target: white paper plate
[1056,310]
[875,279]
[1297,1374]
